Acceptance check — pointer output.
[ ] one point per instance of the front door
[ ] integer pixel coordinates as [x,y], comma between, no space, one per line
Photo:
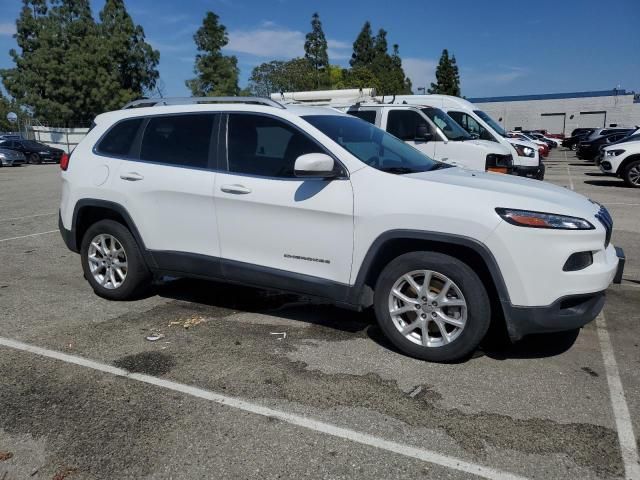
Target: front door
[271,222]
[403,123]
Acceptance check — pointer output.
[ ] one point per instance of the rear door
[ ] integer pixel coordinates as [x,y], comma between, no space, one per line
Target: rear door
[167,185]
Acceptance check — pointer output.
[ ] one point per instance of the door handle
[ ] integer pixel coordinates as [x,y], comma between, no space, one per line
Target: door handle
[235,189]
[131,176]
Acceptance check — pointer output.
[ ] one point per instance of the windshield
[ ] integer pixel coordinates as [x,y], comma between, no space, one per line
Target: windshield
[373,146]
[444,122]
[491,122]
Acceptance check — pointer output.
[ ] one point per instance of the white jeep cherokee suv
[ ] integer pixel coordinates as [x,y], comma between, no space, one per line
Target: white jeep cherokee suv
[314,201]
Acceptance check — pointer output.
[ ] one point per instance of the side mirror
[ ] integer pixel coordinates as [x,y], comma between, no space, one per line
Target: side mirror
[423,134]
[314,165]
[475,136]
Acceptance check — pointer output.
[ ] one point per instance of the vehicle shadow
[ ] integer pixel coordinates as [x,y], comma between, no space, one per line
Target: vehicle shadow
[595,174]
[317,312]
[256,300]
[607,183]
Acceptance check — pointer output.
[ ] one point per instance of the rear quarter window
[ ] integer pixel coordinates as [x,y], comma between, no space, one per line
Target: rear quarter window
[119,139]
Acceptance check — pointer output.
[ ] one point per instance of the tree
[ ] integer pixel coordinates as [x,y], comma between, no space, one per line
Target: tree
[315,48]
[133,61]
[363,51]
[279,76]
[216,74]
[447,76]
[68,68]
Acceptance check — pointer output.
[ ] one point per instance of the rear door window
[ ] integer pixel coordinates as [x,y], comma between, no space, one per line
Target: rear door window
[119,140]
[178,140]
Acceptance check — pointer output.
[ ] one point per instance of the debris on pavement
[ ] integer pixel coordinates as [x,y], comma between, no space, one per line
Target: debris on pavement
[64,472]
[5,456]
[284,335]
[188,322]
[154,337]
[416,391]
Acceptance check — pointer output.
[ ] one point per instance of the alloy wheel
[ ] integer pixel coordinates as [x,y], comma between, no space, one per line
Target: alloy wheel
[107,261]
[428,308]
[634,175]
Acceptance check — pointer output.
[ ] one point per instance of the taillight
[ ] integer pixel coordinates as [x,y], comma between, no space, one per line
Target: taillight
[64,161]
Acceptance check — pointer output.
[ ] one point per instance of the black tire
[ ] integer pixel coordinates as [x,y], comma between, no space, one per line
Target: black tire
[138,277]
[472,288]
[35,159]
[626,175]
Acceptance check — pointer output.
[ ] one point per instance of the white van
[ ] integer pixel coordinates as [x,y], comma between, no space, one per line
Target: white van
[428,129]
[435,133]
[526,160]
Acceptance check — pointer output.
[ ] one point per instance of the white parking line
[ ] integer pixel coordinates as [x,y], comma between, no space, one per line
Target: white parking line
[27,216]
[26,236]
[293,419]
[569,172]
[626,437]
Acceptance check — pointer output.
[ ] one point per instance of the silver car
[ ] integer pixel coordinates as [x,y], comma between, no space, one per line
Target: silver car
[11,158]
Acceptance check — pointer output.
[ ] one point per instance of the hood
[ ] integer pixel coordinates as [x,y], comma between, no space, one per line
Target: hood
[489,147]
[526,143]
[510,191]
[622,145]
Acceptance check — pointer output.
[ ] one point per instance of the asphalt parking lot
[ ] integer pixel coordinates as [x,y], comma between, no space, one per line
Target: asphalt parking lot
[249,383]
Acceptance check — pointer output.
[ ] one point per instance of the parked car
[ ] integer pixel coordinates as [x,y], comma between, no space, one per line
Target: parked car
[551,142]
[10,136]
[35,152]
[543,148]
[623,160]
[634,137]
[11,158]
[589,149]
[317,202]
[573,141]
[434,133]
[603,132]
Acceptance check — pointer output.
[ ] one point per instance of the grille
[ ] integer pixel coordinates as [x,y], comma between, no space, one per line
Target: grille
[607,222]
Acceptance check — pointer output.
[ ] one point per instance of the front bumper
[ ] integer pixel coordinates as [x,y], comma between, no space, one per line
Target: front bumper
[536,171]
[566,313]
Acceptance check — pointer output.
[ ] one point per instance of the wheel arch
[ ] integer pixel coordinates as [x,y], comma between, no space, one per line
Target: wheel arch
[89,211]
[394,243]
[623,165]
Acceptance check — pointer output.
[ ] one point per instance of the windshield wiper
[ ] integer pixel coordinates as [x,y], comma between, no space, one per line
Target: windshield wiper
[440,166]
[398,170]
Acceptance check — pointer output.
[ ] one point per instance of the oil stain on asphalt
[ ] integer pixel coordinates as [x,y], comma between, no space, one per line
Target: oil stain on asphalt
[150,363]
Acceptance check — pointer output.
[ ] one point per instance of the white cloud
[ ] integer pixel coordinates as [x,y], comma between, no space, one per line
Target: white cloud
[274,41]
[499,76]
[267,42]
[7,28]
[421,71]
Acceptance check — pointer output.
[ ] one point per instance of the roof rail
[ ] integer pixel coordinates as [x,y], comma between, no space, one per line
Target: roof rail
[153,102]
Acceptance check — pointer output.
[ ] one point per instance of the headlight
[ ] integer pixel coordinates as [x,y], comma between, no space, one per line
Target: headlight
[2,155]
[613,153]
[524,151]
[525,218]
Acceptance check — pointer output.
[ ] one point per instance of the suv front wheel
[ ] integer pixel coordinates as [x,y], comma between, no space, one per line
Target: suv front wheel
[112,261]
[432,306]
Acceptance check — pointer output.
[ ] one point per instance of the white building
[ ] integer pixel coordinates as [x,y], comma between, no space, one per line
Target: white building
[562,112]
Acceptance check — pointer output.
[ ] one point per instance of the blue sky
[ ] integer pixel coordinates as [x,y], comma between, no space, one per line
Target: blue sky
[502,47]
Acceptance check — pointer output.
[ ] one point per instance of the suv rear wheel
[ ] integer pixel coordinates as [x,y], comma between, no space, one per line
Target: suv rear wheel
[432,306]
[112,261]
[631,174]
